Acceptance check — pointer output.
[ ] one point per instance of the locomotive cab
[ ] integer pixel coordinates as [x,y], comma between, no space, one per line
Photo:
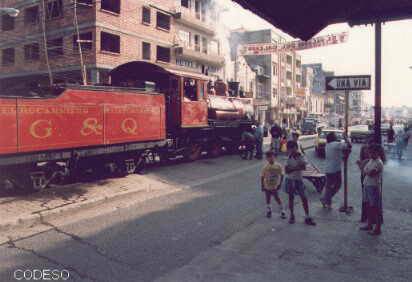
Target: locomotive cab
[185,94]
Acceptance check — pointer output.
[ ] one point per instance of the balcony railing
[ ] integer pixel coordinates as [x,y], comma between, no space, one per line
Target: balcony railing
[195,54]
[193,20]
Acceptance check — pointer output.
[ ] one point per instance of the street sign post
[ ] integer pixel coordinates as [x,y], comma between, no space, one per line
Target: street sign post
[347,83]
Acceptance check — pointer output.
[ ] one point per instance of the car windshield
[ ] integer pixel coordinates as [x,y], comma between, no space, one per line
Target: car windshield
[359,127]
[338,134]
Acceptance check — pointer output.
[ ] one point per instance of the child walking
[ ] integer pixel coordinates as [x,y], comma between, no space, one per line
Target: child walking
[271,179]
[295,165]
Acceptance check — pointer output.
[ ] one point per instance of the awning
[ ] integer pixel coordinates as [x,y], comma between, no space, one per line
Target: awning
[305,18]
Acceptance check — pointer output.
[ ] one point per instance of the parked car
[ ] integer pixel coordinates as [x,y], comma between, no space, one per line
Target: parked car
[360,133]
[309,126]
[385,128]
[320,142]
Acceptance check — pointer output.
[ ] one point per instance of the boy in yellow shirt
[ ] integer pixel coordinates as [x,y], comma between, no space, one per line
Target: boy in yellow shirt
[271,179]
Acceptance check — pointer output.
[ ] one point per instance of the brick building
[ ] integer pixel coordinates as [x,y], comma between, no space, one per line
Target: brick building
[177,35]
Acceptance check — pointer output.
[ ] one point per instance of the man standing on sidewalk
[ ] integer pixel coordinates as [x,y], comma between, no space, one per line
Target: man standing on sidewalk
[258,132]
[333,167]
[276,133]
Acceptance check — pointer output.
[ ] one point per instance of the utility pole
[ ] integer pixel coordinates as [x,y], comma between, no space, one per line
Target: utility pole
[46,49]
[79,44]
[378,85]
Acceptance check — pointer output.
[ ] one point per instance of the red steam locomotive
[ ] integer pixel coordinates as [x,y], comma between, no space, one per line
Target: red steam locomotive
[146,110]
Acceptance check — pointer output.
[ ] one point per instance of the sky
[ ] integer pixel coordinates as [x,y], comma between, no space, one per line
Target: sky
[353,57]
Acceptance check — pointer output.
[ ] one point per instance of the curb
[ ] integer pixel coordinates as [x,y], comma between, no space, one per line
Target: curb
[41,217]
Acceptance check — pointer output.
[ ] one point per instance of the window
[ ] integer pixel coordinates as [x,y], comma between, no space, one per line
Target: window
[54,9]
[197,43]
[146,51]
[288,75]
[55,47]
[203,13]
[204,45]
[214,47]
[186,63]
[111,6]
[275,92]
[184,37]
[163,21]
[185,3]
[8,56]
[145,15]
[110,42]
[289,91]
[86,41]
[7,23]
[298,78]
[289,59]
[197,9]
[190,89]
[201,91]
[31,15]
[275,69]
[298,63]
[87,2]
[163,54]
[31,52]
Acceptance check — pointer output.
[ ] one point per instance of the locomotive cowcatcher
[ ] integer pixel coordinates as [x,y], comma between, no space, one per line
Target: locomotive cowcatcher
[146,113]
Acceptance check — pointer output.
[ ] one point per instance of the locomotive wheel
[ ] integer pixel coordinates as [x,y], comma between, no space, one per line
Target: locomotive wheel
[38,181]
[193,152]
[215,150]
[232,148]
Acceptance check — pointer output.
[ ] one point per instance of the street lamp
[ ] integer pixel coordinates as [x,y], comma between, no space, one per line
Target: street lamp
[12,12]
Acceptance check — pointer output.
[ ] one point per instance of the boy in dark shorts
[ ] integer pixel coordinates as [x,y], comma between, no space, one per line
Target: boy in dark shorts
[294,167]
[271,179]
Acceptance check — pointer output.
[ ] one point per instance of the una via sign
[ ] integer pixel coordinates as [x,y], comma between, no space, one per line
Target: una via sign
[350,82]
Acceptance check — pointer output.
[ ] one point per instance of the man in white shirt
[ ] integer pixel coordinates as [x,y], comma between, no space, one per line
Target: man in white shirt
[334,154]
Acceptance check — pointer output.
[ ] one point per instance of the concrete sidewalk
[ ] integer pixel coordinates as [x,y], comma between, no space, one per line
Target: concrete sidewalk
[28,210]
[334,250]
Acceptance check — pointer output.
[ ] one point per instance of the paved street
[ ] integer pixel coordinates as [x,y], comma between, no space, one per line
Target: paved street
[213,229]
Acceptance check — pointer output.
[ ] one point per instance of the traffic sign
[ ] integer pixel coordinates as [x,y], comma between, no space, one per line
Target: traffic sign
[349,82]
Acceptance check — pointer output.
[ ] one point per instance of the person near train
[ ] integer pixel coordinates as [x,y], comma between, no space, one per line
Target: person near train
[276,133]
[258,132]
[247,141]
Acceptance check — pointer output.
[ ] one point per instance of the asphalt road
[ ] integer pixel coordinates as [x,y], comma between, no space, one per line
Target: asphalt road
[146,241]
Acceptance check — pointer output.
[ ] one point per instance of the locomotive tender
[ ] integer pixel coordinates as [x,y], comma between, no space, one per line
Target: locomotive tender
[146,110]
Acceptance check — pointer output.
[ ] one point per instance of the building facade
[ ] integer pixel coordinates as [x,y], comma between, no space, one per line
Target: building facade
[312,81]
[178,35]
[278,75]
[241,73]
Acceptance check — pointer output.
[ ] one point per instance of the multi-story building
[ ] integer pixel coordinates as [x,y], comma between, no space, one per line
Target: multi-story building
[277,75]
[315,96]
[356,106]
[241,74]
[178,35]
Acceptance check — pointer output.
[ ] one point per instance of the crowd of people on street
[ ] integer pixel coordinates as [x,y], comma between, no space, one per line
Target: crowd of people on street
[371,165]
[397,140]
